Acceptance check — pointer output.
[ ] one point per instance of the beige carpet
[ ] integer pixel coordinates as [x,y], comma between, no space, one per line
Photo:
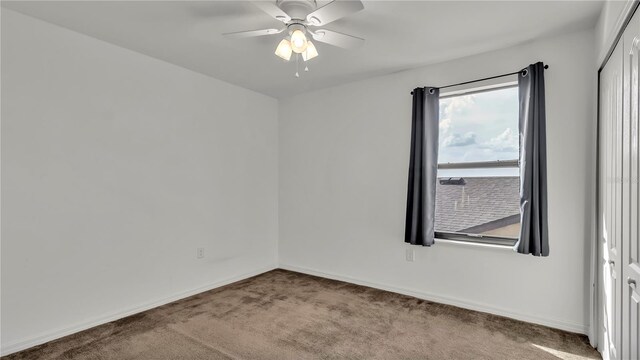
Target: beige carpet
[287,315]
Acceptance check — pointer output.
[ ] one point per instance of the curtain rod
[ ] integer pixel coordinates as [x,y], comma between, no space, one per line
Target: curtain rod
[483,79]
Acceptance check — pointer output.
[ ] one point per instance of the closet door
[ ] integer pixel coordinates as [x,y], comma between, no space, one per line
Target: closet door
[611,102]
[630,240]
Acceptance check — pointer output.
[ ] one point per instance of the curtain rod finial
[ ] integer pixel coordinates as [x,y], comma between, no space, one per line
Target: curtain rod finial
[546,66]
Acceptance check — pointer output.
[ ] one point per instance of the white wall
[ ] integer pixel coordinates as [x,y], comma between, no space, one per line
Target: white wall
[115,168]
[344,155]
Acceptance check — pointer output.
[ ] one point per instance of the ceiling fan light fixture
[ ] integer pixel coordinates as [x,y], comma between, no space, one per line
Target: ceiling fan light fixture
[284,50]
[298,41]
[298,17]
[310,52]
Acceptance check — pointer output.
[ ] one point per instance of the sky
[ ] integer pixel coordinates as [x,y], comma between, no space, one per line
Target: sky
[479,127]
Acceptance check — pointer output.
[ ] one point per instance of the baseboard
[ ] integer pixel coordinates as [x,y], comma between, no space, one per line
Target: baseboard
[59,333]
[575,328]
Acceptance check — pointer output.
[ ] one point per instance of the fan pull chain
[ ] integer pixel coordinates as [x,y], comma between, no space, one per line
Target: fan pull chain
[297,74]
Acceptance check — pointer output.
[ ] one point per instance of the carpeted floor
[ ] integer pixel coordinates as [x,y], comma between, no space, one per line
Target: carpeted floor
[287,315]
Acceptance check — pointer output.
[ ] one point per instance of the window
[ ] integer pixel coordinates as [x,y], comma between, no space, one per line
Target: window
[477,193]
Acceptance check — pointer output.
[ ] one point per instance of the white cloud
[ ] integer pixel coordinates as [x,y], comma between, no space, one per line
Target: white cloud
[506,141]
[445,125]
[457,104]
[465,139]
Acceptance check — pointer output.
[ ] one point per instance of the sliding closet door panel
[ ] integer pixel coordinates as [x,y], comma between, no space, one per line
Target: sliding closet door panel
[630,249]
[611,95]
[619,197]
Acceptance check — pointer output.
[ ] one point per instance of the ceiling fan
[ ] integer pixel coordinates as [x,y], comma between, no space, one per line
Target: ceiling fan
[299,17]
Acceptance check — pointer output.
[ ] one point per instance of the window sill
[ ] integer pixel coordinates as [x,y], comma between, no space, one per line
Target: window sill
[476,239]
[473,244]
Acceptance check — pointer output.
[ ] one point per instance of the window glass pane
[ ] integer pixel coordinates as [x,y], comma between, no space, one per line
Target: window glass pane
[486,205]
[481,127]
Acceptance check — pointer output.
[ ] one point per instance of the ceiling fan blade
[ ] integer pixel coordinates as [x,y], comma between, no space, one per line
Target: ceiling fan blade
[272,10]
[252,33]
[333,11]
[337,39]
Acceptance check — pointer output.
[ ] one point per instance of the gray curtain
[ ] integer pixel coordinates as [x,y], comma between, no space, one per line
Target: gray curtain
[423,167]
[534,234]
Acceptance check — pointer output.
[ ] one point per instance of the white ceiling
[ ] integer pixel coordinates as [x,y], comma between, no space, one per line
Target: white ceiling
[399,35]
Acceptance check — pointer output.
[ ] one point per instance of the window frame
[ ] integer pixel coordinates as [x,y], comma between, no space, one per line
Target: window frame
[478,238]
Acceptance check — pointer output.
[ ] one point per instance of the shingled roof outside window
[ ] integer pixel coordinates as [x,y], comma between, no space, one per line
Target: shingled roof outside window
[478,205]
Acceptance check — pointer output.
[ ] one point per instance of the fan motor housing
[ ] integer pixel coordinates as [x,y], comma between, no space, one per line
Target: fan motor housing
[295,26]
[297,9]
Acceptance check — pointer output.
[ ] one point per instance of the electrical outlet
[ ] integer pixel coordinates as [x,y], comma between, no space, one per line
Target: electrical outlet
[410,254]
[200,253]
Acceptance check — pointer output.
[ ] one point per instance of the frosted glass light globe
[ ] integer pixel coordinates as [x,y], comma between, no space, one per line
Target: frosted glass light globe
[284,50]
[298,42]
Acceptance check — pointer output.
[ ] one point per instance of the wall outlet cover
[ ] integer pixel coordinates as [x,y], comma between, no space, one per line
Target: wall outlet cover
[410,254]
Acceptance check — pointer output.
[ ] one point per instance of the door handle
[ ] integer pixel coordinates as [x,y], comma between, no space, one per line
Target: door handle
[631,283]
[612,263]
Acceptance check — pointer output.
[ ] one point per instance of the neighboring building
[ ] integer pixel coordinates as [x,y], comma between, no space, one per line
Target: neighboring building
[478,205]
